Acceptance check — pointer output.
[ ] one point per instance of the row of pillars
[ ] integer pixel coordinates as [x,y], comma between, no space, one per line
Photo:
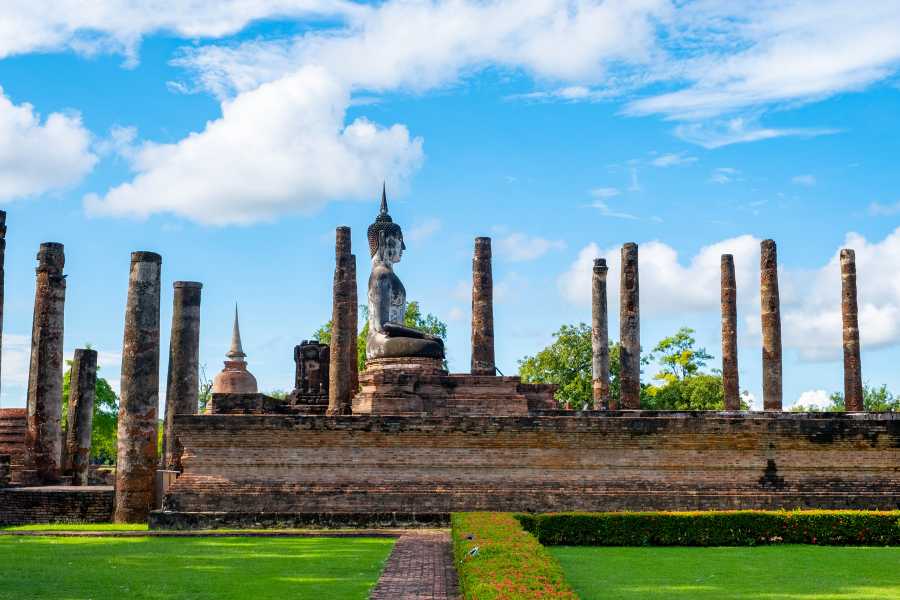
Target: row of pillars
[770,315]
[47,459]
[344,367]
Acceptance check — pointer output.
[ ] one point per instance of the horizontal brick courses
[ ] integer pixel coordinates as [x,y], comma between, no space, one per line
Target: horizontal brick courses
[625,460]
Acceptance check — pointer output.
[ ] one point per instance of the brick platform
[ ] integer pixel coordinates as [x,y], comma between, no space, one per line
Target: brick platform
[420,568]
[12,438]
[56,504]
[284,468]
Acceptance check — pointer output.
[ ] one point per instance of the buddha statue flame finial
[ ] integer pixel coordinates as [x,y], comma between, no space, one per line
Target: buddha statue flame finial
[383,226]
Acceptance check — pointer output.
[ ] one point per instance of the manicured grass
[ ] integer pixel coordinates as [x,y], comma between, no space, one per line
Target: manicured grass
[190,568]
[770,572]
[78,527]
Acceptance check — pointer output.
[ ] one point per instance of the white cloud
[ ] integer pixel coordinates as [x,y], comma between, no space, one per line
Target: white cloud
[281,148]
[813,399]
[717,133]
[40,155]
[119,25]
[810,299]
[606,211]
[876,209]
[673,160]
[605,192]
[518,247]
[804,180]
[724,175]
[424,230]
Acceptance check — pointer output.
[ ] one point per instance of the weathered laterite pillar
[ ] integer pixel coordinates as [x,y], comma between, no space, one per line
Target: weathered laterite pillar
[853,391]
[43,437]
[630,329]
[729,335]
[340,391]
[183,379]
[137,432]
[353,348]
[600,336]
[2,271]
[82,391]
[770,315]
[482,309]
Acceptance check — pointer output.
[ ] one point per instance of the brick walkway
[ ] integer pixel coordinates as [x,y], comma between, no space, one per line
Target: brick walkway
[419,568]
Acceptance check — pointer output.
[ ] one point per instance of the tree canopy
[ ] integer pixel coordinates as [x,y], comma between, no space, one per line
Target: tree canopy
[106,410]
[875,399]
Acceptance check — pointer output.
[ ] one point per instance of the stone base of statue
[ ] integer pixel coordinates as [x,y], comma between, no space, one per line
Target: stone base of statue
[416,386]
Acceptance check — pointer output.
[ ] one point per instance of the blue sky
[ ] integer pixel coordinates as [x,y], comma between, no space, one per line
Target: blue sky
[232,138]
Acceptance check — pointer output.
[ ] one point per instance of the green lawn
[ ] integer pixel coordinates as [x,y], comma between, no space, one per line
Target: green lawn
[189,568]
[767,572]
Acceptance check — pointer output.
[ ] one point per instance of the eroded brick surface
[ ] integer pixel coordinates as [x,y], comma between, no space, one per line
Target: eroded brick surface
[420,567]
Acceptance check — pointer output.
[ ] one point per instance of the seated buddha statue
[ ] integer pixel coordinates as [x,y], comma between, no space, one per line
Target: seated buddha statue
[388,336]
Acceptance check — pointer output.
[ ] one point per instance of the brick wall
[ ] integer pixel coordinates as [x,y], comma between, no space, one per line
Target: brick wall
[12,436]
[56,504]
[281,466]
[4,470]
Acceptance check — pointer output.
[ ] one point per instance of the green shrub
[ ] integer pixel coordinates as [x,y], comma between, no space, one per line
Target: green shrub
[716,528]
[508,564]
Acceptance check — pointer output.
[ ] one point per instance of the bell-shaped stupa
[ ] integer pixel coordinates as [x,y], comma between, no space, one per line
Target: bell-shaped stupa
[235,378]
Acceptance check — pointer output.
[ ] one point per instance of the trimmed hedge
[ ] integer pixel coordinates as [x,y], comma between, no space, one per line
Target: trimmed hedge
[508,564]
[716,528]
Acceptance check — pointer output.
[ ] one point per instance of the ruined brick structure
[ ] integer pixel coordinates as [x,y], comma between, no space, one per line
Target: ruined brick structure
[730,385]
[770,315]
[600,336]
[853,388]
[630,329]
[267,469]
[343,328]
[12,439]
[43,437]
[482,309]
[137,428]
[82,389]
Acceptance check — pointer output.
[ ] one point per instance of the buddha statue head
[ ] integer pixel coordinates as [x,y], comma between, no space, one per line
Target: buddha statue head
[385,236]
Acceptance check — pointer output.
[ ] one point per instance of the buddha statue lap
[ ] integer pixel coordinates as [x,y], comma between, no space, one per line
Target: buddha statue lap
[388,337]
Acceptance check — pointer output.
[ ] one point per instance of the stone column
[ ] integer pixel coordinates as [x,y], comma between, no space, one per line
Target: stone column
[730,384]
[853,391]
[183,379]
[630,329]
[600,336]
[339,384]
[82,390]
[138,407]
[353,348]
[770,314]
[482,309]
[43,437]
[2,271]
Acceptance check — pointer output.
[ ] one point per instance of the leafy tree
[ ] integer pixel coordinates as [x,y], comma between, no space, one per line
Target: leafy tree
[106,410]
[412,318]
[678,357]
[875,399]
[567,363]
[695,392]
[205,392]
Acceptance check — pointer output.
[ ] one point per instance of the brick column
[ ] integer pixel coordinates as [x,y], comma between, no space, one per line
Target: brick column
[353,322]
[138,407]
[2,271]
[853,391]
[43,437]
[770,315]
[600,336]
[630,329]
[183,379]
[339,384]
[82,391]
[730,383]
[482,309]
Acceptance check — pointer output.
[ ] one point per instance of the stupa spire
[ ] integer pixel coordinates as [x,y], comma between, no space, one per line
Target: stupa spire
[384,209]
[236,352]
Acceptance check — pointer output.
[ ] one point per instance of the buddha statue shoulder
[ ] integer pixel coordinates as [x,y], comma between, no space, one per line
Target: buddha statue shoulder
[388,337]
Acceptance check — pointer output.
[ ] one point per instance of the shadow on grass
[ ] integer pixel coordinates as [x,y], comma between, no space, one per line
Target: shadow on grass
[195,568]
[766,573]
